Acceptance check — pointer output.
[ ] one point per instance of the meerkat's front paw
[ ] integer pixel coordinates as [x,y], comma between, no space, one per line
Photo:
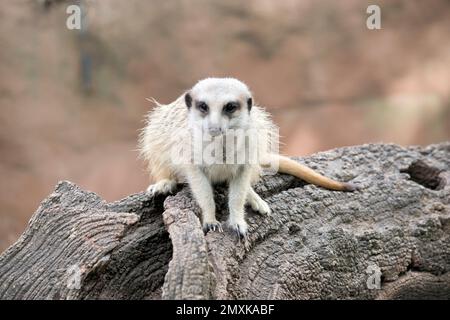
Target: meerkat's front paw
[239,226]
[213,225]
[259,205]
[164,187]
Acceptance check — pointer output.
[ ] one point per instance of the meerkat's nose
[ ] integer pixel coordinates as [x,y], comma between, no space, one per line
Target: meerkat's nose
[214,131]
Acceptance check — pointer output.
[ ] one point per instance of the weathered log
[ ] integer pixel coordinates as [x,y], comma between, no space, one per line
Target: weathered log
[317,244]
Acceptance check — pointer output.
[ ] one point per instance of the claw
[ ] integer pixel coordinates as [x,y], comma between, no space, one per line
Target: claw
[213,226]
[241,234]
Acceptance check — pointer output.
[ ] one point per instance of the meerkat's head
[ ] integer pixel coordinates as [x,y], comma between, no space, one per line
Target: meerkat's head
[219,104]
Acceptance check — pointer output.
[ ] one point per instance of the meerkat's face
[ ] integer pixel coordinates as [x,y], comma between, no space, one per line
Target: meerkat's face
[219,104]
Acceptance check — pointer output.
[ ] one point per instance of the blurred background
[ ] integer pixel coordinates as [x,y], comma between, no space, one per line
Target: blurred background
[71,102]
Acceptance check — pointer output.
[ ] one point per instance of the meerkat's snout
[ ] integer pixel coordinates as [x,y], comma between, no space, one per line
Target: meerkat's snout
[215,131]
[213,122]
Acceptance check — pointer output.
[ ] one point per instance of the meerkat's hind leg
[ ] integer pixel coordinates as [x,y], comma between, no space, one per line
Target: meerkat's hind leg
[163,186]
[257,203]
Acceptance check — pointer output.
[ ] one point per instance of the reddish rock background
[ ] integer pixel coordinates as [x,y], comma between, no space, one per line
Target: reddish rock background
[326,78]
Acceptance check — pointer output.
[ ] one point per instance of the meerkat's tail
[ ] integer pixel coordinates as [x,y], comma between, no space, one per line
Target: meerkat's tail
[289,166]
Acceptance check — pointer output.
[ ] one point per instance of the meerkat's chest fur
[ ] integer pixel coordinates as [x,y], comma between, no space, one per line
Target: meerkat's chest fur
[225,151]
[218,173]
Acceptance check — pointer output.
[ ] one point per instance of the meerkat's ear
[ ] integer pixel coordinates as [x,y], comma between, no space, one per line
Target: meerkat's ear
[249,103]
[188,100]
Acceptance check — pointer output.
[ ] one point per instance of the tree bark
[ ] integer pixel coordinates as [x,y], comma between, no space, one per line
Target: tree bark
[389,240]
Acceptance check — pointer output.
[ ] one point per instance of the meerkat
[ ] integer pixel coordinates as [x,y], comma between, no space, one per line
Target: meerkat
[216,106]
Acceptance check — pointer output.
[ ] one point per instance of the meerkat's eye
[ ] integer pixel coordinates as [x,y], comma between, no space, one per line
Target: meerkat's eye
[231,107]
[203,107]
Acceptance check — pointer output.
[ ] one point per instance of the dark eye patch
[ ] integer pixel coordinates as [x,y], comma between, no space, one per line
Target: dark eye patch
[202,106]
[231,107]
